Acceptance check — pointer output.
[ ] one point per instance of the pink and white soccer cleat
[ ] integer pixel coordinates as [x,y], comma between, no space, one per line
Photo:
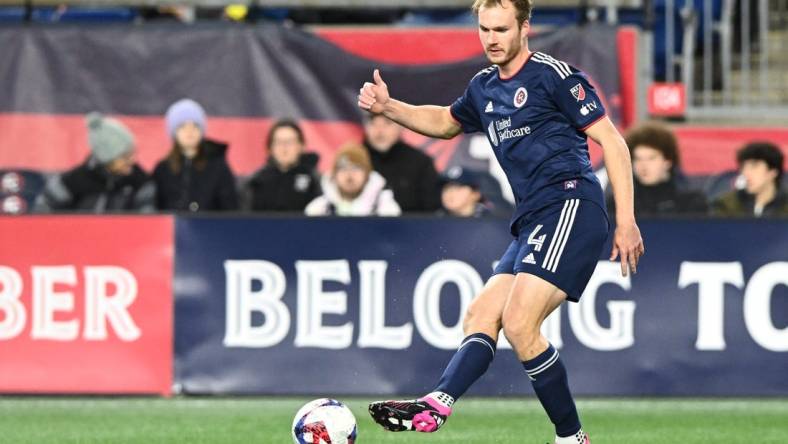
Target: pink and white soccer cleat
[421,415]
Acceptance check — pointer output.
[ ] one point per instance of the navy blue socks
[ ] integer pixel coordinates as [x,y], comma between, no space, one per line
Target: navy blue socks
[548,377]
[466,366]
[546,371]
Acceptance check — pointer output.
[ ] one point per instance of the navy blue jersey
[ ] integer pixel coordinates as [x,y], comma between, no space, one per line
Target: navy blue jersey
[534,121]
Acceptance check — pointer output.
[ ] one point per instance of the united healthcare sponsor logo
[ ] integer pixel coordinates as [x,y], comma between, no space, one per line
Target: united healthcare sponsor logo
[500,131]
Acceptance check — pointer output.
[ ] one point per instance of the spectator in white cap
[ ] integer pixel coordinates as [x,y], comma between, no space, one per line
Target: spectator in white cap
[195,175]
[108,181]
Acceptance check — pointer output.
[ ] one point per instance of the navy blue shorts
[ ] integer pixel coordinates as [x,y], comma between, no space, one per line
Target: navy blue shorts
[561,244]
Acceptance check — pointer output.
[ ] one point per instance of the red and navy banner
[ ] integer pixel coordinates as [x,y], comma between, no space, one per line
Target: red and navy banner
[245,77]
[86,304]
[362,306]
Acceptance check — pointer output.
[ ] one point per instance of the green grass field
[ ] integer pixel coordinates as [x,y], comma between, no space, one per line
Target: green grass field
[476,421]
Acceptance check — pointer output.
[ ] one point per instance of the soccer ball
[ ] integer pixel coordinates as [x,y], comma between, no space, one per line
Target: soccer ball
[324,421]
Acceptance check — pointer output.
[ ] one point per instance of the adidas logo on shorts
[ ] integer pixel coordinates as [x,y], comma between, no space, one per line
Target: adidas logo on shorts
[529,259]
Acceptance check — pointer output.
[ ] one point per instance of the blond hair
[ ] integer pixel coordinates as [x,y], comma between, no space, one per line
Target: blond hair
[355,154]
[523,8]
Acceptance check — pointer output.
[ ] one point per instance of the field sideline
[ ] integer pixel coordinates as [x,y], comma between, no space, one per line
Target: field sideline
[476,421]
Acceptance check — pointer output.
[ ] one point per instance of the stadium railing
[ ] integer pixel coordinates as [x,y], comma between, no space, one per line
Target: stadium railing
[731,56]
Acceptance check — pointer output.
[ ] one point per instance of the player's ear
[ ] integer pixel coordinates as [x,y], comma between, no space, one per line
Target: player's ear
[525,27]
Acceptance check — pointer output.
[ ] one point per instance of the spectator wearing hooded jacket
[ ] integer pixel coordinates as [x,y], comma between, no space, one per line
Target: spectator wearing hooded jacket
[353,188]
[289,181]
[195,175]
[108,181]
[409,173]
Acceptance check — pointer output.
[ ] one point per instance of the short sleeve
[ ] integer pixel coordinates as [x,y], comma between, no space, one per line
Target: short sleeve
[577,99]
[463,111]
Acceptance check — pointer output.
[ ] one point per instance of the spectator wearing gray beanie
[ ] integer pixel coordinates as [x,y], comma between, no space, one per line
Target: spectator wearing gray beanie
[109,139]
[108,181]
[194,176]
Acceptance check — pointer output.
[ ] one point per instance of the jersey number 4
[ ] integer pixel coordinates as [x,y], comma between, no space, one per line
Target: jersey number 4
[536,240]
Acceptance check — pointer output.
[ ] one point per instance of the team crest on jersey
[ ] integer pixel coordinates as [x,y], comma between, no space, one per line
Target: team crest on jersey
[578,92]
[520,96]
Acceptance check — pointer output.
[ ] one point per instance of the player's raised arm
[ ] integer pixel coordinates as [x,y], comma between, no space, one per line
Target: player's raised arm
[627,241]
[429,120]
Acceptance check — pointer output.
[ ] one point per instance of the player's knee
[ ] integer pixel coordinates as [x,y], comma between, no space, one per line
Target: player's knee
[479,318]
[518,331]
[523,340]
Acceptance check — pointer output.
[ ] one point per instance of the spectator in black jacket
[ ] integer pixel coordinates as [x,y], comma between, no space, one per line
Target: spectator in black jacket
[109,181]
[195,175]
[761,168]
[288,182]
[408,172]
[655,163]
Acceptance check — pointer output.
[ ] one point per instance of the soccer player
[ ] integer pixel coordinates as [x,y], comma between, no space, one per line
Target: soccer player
[536,112]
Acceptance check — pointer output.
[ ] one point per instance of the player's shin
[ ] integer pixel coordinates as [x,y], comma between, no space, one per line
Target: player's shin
[549,380]
[466,366]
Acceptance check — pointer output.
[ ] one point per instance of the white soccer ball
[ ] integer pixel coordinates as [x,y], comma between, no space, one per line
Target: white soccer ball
[324,421]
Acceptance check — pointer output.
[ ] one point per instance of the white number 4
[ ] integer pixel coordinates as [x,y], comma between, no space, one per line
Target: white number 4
[537,242]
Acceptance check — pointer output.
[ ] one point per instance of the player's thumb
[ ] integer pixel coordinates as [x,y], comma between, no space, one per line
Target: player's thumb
[378,79]
[614,253]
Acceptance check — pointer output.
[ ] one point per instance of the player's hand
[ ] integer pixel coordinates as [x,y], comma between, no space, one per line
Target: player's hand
[628,243]
[374,96]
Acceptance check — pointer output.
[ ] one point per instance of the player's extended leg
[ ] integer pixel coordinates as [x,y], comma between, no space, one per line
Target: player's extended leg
[532,299]
[481,324]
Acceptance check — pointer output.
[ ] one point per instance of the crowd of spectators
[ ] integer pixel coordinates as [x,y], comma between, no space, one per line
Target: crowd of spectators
[381,176]
[661,188]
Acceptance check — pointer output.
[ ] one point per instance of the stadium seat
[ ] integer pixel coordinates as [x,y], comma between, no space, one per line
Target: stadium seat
[12,14]
[19,189]
[84,15]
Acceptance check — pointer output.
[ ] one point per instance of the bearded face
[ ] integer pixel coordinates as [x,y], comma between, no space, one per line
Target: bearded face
[500,34]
